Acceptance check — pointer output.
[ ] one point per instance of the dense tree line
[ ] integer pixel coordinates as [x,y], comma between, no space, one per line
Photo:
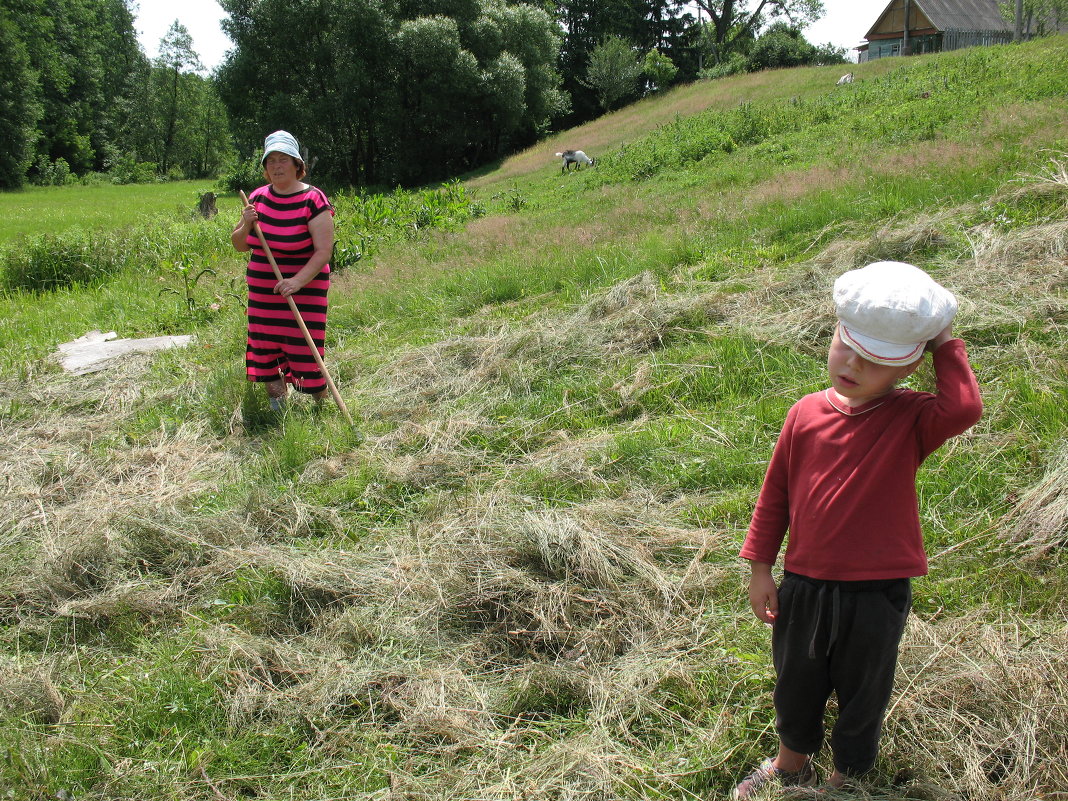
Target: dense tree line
[382,92]
[1037,17]
[393,91]
[643,25]
[80,96]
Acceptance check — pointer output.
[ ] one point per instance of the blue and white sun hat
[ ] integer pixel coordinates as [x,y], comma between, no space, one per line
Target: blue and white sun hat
[281,142]
[888,311]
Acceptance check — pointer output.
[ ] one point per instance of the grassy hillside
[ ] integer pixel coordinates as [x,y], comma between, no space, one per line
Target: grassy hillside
[516,576]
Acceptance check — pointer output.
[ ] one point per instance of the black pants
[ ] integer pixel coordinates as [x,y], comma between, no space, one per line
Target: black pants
[841,637]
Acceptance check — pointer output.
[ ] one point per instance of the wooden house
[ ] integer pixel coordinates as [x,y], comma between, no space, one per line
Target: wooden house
[935,25]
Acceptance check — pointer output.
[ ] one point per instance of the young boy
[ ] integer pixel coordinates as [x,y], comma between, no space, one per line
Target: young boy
[842,480]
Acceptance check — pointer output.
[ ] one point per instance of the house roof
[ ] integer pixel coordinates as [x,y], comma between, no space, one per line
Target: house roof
[965,15]
[945,15]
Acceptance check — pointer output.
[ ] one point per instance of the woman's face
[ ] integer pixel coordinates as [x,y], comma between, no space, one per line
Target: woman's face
[281,169]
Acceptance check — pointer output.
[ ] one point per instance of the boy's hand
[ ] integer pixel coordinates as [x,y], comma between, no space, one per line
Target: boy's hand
[941,338]
[763,594]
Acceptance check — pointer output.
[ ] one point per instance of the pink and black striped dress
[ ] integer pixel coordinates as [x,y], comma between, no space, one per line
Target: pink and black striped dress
[276,347]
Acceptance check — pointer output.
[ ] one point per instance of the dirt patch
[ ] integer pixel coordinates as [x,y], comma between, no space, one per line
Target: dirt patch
[790,186]
[916,159]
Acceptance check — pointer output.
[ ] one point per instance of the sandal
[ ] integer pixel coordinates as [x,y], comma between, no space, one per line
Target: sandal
[768,776]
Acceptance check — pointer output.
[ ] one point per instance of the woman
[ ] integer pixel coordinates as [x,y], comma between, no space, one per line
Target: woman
[297,221]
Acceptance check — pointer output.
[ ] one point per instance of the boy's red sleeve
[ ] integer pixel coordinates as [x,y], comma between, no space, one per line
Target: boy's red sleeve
[957,404]
[771,517]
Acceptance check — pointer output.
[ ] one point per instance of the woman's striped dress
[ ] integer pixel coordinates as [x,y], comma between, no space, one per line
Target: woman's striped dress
[276,347]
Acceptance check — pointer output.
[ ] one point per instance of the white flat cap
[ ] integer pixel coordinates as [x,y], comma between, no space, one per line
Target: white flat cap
[888,310]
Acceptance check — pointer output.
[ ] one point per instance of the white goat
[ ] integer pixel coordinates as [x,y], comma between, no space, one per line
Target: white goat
[847,78]
[576,157]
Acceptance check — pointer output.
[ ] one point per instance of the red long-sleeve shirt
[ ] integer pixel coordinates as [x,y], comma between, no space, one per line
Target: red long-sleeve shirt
[844,485]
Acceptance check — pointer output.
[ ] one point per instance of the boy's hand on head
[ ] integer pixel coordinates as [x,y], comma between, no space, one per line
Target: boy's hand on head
[941,338]
[763,594]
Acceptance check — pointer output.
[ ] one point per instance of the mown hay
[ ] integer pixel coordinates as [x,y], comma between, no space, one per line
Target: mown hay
[259,671]
[281,516]
[1039,522]
[102,517]
[145,599]
[631,317]
[443,707]
[134,562]
[590,767]
[31,692]
[980,707]
[474,626]
[798,310]
[578,585]
[1052,180]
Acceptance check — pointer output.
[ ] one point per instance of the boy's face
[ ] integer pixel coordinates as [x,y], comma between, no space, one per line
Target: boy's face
[855,379]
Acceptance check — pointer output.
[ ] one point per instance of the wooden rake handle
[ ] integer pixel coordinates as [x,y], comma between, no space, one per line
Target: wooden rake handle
[300,320]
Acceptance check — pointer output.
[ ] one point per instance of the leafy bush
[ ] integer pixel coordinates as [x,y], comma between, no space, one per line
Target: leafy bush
[78,257]
[242,176]
[735,63]
[51,173]
[659,69]
[613,72]
[364,220]
[125,170]
[93,178]
[781,46]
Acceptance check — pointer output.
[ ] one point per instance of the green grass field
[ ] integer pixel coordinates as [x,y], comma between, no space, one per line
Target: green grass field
[55,209]
[516,576]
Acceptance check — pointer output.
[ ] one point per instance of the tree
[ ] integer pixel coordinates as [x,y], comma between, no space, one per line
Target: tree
[388,91]
[1037,17]
[177,59]
[208,145]
[78,67]
[780,46]
[530,35]
[336,104]
[18,93]
[79,94]
[659,70]
[439,83]
[613,72]
[735,20]
[124,73]
[662,24]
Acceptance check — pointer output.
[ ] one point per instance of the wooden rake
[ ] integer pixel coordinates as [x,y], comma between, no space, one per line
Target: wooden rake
[300,321]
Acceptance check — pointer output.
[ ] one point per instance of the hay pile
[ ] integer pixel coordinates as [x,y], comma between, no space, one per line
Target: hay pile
[633,317]
[464,636]
[1039,522]
[980,708]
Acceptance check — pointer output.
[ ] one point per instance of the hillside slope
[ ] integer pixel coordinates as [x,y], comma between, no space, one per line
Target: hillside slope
[516,577]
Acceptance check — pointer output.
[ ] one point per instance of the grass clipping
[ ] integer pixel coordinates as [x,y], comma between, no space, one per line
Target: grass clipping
[1040,520]
[980,708]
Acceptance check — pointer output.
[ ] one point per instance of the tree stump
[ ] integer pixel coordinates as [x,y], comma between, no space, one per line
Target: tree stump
[206,207]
